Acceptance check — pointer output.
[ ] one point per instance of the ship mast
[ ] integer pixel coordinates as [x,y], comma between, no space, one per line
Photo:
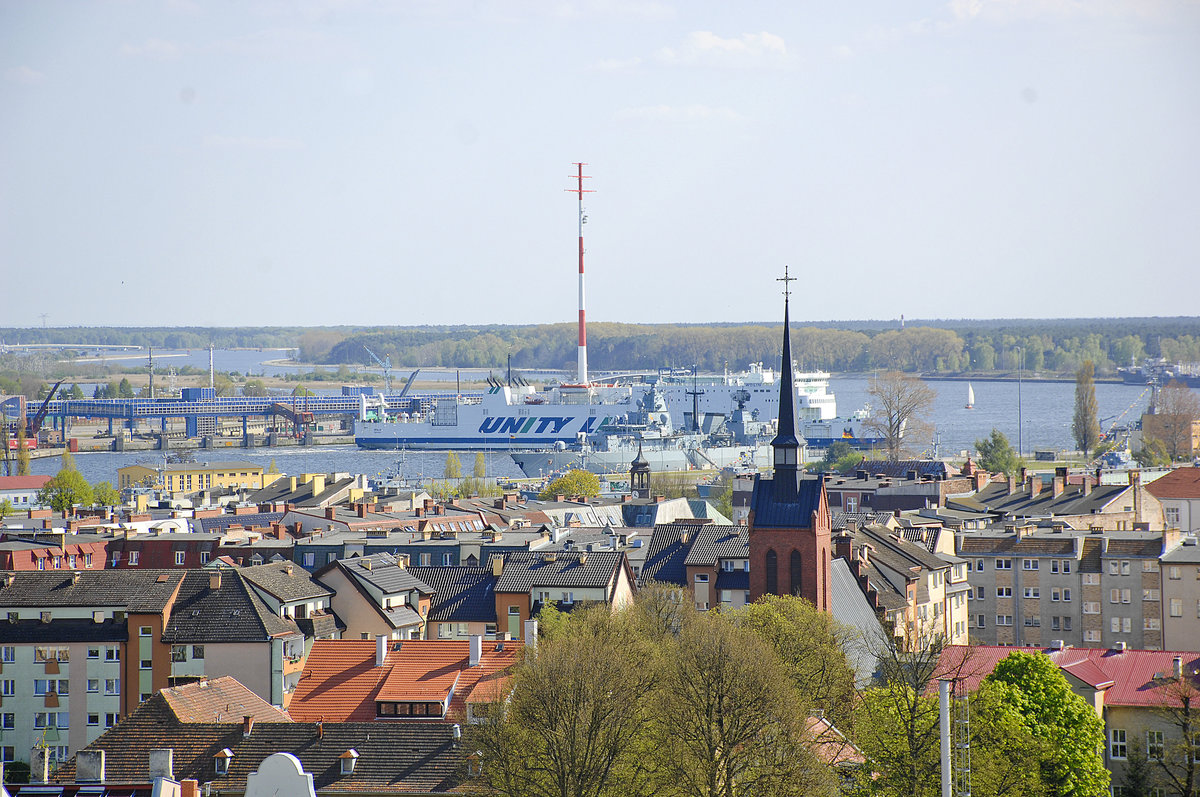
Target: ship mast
[579,191]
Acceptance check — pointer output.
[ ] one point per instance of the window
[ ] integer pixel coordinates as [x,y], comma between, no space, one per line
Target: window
[1149,594]
[979,565]
[1125,569]
[204,557]
[93,720]
[71,559]
[447,559]
[1171,515]
[1004,619]
[1032,592]
[979,593]
[8,654]
[1055,623]
[1066,565]
[1154,744]
[1066,623]
[8,688]
[1114,567]
[567,597]
[111,720]
[1116,743]
[1126,596]
[981,621]
[1173,573]
[1149,565]
[8,721]
[1114,625]
[702,578]
[1114,596]
[93,684]
[145,630]
[1176,607]
[112,686]
[112,654]
[1091,636]
[1151,624]
[1091,578]
[87,560]
[93,653]
[1055,594]
[147,664]
[1033,622]
[133,558]
[179,557]
[1004,564]
[1003,592]
[178,653]
[1053,565]
[197,651]
[310,559]
[1029,564]
[1066,593]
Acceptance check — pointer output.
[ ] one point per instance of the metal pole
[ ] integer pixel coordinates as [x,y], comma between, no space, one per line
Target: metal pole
[944,717]
[1020,424]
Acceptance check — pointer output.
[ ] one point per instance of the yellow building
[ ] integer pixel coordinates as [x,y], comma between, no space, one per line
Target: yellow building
[187,477]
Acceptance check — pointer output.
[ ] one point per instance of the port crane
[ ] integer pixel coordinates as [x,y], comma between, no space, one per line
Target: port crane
[386,365]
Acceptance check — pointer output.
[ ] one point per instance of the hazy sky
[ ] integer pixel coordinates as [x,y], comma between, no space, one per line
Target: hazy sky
[340,161]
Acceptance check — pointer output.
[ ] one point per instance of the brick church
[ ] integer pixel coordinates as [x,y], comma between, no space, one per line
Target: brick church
[789,523]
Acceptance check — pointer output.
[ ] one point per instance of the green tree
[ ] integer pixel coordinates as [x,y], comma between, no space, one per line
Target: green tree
[272,467]
[125,389]
[6,508]
[1006,760]
[996,454]
[480,471]
[22,450]
[1152,454]
[255,388]
[900,406]
[1060,718]
[223,385]
[66,489]
[576,482]
[1139,773]
[301,390]
[104,494]
[1085,424]
[811,647]
[840,457]
[76,392]
[728,721]
[453,466]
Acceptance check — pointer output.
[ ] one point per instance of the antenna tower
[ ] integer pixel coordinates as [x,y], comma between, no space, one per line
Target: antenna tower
[579,191]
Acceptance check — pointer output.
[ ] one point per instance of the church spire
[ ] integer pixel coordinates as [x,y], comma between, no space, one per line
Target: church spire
[787,444]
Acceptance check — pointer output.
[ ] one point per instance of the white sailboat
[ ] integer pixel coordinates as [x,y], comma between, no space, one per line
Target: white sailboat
[970,397]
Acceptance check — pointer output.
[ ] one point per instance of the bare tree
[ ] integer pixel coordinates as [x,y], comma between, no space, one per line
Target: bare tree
[1175,413]
[1175,752]
[900,406]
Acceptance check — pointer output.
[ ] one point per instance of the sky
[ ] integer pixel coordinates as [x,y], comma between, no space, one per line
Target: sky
[327,162]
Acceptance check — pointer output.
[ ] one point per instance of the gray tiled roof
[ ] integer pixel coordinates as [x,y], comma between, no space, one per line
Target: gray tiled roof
[137,590]
[220,523]
[231,613]
[666,554]
[275,580]
[770,513]
[385,574]
[733,579]
[460,594]
[714,543]
[62,630]
[525,571]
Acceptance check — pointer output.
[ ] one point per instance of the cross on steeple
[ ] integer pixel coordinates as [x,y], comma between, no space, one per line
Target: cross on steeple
[785,279]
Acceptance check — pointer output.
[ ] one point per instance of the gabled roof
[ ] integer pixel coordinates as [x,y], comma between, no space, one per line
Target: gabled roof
[460,594]
[714,543]
[230,613]
[1181,483]
[1073,500]
[35,482]
[667,552]
[220,523]
[341,682]
[524,571]
[221,699]
[285,581]
[901,468]
[384,572]
[71,629]
[974,544]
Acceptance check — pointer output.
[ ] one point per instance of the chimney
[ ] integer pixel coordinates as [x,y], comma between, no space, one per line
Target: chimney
[214,579]
[476,641]
[189,787]
[380,649]
[1178,662]
[39,765]
[330,513]
[1087,485]
[360,510]
[497,566]
[531,629]
[89,766]
[1059,484]
[162,760]
[247,726]
[842,546]
[911,475]
[292,484]
[1012,484]
[287,569]
[1035,486]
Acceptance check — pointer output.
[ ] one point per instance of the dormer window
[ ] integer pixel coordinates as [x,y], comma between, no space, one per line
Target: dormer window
[348,759]
[221,761]
[785,455]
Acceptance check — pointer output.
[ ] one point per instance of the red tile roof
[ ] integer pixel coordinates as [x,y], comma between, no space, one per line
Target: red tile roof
[23,482]
[1129,677]
[219,700]
[341,682]
[1179,483]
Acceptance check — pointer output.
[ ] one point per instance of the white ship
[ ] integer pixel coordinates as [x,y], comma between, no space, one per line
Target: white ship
[714,395]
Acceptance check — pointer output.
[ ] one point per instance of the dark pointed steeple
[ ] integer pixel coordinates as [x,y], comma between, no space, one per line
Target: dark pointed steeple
[639,475]
[787,444]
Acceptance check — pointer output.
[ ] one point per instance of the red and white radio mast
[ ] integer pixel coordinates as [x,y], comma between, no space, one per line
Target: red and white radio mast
[579,191]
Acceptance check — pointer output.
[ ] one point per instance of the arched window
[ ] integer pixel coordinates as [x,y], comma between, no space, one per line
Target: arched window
[772,566]
[796,572]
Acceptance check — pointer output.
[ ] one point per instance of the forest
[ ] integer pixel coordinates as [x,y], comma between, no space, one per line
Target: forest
[1053,346]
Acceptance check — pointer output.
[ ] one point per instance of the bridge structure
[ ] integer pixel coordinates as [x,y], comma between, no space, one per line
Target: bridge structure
[129,411]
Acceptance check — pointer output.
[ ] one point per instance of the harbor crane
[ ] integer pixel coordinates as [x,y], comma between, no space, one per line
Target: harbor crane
[386,365]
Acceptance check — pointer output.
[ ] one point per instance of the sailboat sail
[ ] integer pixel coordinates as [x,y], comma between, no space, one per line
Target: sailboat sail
[970,396]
